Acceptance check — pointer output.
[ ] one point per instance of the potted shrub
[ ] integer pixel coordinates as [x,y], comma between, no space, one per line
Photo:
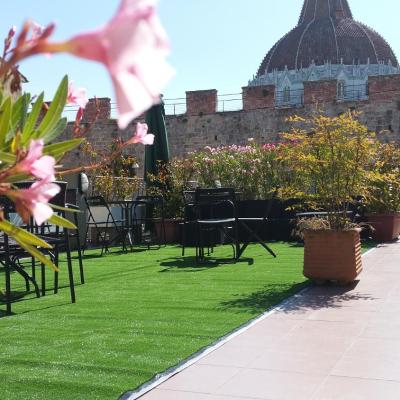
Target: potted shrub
[383,198]
[330,157]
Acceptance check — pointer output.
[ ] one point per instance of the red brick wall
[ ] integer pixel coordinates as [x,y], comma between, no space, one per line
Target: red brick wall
[258,97]
[104,105]
[320,92]
[201,102]
[384,88]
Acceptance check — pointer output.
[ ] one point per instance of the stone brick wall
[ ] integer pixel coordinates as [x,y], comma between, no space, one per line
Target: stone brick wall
[255,97]
[320,92]
[202,126]
[102,106]
[201,102]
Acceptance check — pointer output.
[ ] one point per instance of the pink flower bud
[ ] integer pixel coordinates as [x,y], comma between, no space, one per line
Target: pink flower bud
[77,96]
[141,135]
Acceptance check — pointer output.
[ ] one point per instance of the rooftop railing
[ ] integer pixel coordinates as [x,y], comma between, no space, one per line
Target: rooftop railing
[234,101]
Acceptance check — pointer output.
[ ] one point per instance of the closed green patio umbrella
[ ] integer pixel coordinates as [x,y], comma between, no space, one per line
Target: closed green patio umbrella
[159,151]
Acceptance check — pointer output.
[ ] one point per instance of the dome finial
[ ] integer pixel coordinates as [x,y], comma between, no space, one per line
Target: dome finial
[315,9]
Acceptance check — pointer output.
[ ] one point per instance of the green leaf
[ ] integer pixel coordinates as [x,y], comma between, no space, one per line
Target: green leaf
[53,114]
[57,150]
[32,119]
[60,221]
[19,113]
[37,254]
[57,131]
[18,178]
[7,158]
[22,235]
[5,120]
[72,210]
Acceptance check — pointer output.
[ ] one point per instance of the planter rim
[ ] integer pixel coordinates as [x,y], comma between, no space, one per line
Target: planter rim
[334,230]
[386,214]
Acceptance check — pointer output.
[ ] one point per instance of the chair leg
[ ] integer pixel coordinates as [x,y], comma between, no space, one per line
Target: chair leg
[201,248]
[80,260]
[79,248]
[56,273]
[33,266]
[69,265]
[237,243]
[43,276]
[197,243]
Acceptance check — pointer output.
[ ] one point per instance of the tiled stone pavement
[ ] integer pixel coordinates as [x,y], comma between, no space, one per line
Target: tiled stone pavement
[329,343]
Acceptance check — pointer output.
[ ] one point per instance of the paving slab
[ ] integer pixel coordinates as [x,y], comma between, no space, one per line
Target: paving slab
[327,343]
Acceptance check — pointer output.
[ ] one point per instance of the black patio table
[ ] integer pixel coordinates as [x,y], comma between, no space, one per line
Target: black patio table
[251,226]
[126,209]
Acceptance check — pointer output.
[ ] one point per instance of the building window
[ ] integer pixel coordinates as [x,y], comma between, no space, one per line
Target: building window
[286,94]
[340,90]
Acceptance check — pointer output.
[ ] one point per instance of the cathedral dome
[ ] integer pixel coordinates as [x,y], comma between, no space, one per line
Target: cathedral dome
[327,32]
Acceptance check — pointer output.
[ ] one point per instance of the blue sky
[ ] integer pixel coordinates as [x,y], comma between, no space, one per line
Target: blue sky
[216,44]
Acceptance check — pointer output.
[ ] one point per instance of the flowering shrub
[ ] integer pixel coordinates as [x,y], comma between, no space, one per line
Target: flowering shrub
[132,46]
[254,170]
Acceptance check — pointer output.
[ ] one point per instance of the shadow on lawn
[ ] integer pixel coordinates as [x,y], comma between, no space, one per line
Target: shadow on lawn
[318,297]
[112,253]
[16,296]
[263,300]
[3,314]
[189,264]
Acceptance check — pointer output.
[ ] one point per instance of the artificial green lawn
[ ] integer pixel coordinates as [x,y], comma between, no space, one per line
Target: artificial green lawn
[138,314]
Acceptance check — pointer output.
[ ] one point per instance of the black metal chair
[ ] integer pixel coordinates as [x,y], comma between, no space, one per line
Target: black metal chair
[59,238]
[10,253]
[14,257]
[251,224]
[215,213]
[189,218]
[107,230]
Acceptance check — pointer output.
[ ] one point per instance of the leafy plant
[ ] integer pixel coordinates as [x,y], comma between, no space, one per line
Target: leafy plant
[118,180]
[170,182]
[330,158]
[384,184]
[19,126]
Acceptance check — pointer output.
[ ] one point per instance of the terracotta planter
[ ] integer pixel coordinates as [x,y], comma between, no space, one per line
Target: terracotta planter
[172,231]
[387,226]
[332,255]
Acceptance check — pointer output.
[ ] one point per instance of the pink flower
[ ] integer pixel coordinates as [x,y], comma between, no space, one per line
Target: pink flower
[141,135]
[35,163]
[33,201]
[133,47]
[37,31]
[77,96]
